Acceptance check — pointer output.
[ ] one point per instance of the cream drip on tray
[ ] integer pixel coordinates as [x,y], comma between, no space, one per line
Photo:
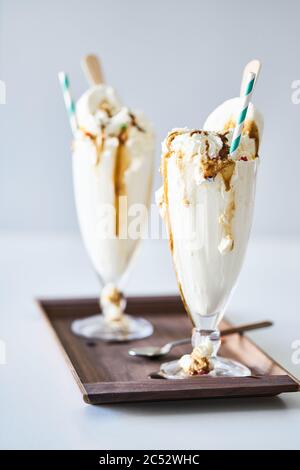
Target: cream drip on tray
[199,361]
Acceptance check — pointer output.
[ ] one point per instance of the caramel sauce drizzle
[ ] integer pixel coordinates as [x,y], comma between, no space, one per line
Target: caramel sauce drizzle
[250,128]
[226,219]
[98,143]
[164,172]
[122,163]
[122,159]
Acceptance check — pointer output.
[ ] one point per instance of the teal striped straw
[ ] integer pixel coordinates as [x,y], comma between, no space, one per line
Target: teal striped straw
[69,103]
[236,138]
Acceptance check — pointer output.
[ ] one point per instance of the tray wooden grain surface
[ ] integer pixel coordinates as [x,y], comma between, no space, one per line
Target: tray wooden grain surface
[106,374]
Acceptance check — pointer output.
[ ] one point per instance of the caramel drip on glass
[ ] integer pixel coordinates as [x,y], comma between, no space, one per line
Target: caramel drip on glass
[252,130]
[226,219]
[229,214]
[164,171]
[122,162]
[169,229]
[226,173]
[212,167]
[97,142]
[166,198]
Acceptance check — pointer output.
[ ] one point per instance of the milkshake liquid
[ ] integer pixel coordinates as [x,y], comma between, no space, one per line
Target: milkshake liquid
[209,228]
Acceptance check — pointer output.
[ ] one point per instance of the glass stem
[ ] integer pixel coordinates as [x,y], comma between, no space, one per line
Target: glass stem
[207,330]
[112,303]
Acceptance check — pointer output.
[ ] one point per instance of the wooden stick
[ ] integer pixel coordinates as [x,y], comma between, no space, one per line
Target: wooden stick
[253,66]
[92,69]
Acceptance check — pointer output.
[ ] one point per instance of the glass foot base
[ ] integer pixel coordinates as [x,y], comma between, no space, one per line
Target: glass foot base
[222,368]
[95,327]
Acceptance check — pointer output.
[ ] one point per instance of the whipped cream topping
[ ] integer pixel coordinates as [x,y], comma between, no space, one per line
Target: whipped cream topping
[202,156]
[100,113]
[95,107]
[191,143]
[187,144]
[105,124]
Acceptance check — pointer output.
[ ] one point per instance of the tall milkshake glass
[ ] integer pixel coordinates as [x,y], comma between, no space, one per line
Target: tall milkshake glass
[207,202]
[113,155]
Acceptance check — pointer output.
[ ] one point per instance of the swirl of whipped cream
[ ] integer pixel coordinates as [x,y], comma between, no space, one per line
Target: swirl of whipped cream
[94,107]
[100,109]
[191,143]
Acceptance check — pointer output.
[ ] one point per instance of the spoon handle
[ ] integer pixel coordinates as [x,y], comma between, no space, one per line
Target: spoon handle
[178,342]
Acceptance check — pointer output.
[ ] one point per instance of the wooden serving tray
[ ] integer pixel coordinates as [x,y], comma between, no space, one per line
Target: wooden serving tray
[106,374]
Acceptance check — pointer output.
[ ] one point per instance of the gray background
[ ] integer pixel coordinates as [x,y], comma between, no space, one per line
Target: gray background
[176,60]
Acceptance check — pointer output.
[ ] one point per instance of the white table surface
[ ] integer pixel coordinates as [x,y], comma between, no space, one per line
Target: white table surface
[40,404]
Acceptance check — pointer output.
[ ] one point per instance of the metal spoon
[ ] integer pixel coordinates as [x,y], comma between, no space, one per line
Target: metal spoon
[158,351]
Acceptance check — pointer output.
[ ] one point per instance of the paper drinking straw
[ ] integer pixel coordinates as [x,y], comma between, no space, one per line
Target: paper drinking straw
[242,115]
[69,103]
